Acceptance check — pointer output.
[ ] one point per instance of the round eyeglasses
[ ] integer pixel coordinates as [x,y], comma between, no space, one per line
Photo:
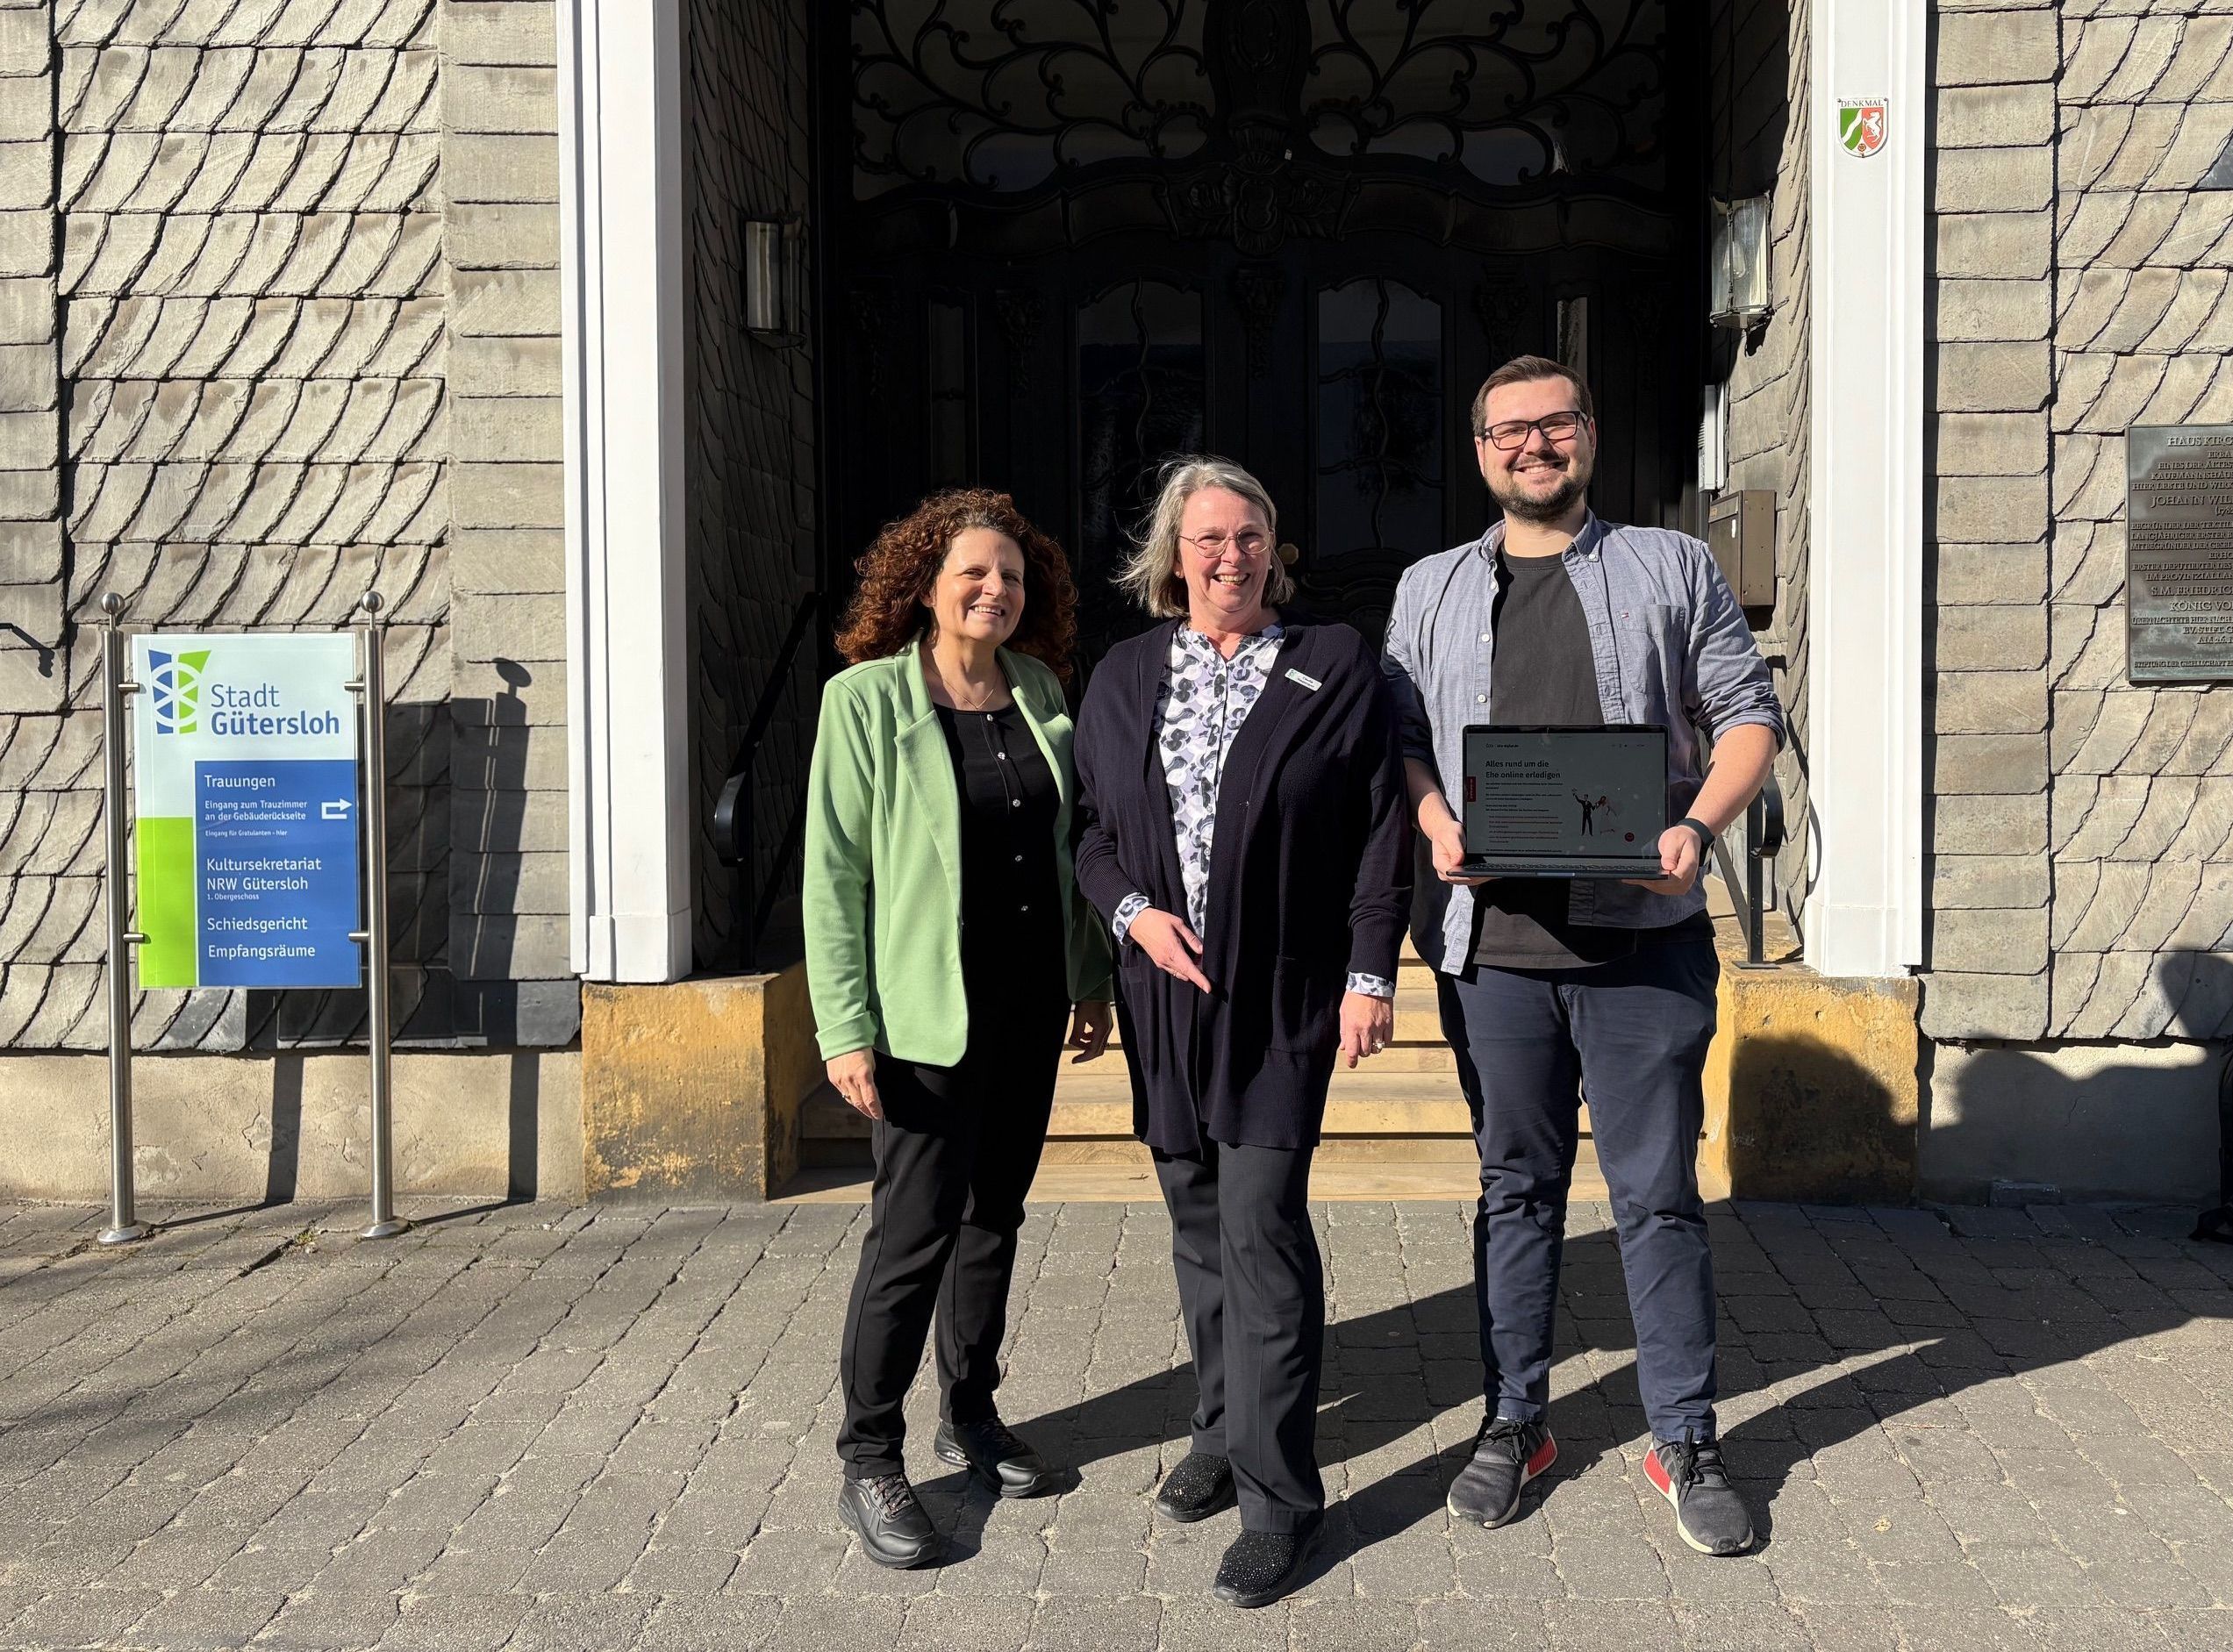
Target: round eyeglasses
[1249,542]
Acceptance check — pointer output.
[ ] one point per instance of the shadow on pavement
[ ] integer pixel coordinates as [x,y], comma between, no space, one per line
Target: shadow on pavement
[1831,1326]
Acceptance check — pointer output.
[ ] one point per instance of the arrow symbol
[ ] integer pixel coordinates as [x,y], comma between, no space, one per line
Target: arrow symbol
[335,809]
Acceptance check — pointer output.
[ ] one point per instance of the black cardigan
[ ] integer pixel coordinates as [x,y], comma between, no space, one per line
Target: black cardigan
[1310,879]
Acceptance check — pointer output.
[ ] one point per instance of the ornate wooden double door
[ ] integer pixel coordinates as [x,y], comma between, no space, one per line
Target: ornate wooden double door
[1066,239]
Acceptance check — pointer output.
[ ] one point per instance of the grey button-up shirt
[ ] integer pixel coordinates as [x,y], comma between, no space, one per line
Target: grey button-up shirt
[1669,645]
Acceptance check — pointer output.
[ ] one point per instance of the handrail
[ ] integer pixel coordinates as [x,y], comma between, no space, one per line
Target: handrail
[735,818]
[1764,835]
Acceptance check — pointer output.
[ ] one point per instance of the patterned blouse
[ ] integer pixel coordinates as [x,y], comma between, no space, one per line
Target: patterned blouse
[1201,705]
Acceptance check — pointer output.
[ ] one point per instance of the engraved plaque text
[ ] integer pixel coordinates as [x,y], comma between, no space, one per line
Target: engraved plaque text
[2178,554]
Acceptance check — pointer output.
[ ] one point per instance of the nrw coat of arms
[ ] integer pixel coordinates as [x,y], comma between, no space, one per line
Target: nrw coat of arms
[1863,124]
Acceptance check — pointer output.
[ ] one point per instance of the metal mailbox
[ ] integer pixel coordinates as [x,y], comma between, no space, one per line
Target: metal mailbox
[1741,532]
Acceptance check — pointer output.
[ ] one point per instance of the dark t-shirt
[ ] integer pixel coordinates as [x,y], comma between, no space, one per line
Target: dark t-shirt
[1543,671]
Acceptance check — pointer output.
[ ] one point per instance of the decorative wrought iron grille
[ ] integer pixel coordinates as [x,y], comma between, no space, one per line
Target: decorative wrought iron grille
[1379,419]
[1514,93]
[994,98]
[1142,382]
[1379,449]
[1069,237]
[1001,96]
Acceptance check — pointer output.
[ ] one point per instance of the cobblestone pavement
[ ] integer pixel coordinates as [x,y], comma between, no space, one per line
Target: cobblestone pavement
[522,1428]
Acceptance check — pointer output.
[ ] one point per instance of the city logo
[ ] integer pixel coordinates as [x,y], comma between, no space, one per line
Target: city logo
[1863,124]
[175,681]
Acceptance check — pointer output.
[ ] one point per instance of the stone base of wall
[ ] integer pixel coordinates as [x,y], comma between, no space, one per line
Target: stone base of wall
[482,1124]
[692,1090]
[2074,1121]
[1812,1087]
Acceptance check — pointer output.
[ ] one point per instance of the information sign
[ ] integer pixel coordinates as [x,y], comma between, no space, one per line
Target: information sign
[245,775]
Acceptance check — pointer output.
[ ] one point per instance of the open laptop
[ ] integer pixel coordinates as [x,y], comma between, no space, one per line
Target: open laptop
[1549,802]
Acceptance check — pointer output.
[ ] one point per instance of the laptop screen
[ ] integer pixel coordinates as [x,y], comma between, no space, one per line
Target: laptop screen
[1564,790]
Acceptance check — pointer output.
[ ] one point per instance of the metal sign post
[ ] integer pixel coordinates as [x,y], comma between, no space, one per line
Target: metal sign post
[370,688]
[257,846]
[124,1225]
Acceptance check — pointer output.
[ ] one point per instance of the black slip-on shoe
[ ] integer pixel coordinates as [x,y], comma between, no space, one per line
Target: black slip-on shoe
[894,1527]
[1507,1454]
[991,1451]
[1201,1485]
[1262,1566]
[1708,1514]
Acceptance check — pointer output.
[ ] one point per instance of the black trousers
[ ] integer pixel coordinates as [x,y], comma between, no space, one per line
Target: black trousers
[955,1152]
[1252,1292]
[1629,1035]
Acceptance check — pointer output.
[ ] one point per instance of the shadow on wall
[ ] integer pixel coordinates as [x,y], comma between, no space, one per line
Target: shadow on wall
[476,1132]
[1813,1123]
[476,839]
[1832,1098]
[1812,1088]
[2135,1120]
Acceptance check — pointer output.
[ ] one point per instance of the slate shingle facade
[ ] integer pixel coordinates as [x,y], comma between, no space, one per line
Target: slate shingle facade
[279,323]
[2080,881]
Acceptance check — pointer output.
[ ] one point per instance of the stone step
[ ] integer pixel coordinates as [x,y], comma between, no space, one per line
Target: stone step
[1385,1148]
[1101,1107]
[1399,1107]
[1404,1056]
[1331,1179]
[1418,1019]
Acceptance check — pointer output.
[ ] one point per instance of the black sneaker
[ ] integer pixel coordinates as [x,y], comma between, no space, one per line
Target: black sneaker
[1710,1516]
[1201,1485]
[989,1450]
[1507,1454]
[1262,1566]
[893,1527]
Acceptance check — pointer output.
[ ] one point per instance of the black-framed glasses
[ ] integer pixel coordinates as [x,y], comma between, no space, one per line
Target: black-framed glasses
[1248,542]
[1509,435]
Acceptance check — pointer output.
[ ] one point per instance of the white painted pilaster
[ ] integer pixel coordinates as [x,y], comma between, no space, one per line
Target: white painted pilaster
[621,253]
[1864,915]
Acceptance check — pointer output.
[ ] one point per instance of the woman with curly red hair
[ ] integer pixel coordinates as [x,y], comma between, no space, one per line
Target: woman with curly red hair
[946,944]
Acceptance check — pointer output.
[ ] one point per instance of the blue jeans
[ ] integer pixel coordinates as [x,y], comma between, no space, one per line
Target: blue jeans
[1631,1036]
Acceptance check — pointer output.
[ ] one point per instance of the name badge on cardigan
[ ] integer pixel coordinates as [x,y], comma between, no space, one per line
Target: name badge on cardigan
[1310,682]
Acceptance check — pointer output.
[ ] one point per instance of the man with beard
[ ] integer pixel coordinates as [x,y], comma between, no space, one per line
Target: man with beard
[1551,989]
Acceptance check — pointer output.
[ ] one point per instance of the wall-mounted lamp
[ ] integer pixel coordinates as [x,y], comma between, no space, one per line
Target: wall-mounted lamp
[775,280]
[1740,260]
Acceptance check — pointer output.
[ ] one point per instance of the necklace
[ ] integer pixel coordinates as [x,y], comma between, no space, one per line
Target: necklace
[935,669]
[979,705]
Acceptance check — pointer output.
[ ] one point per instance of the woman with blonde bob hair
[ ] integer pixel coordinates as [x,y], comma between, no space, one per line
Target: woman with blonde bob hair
[1154,577]
[944,949]
[1245,836]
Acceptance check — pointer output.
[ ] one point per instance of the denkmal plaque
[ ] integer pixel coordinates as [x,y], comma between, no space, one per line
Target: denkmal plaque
[2178,554]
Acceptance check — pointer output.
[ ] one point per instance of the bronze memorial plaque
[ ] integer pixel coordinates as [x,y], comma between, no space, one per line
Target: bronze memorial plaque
[2178,554]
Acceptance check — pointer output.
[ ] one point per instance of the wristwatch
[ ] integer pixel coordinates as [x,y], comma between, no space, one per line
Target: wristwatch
[1705,835]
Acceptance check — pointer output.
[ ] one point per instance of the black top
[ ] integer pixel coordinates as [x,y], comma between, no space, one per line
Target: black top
[1311,879]
[1543,670]
[1012,934]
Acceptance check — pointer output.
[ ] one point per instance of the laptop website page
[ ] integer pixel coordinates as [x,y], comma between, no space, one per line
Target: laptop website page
[1560,792]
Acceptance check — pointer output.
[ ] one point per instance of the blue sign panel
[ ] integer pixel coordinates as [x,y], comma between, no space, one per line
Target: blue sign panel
[275,872]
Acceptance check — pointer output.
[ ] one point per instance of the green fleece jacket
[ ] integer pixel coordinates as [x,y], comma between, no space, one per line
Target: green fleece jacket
[882,893]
